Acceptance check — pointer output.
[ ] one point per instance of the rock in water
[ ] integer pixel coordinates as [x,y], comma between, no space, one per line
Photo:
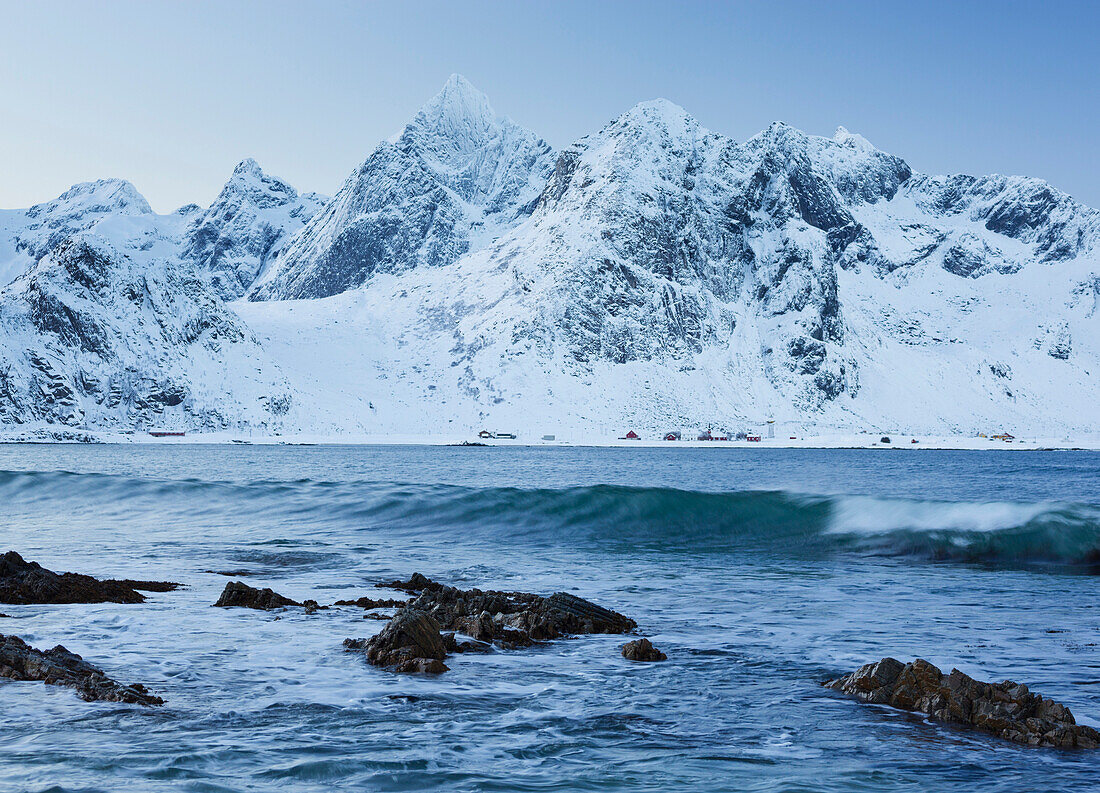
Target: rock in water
[59,667]
[577,615]
[237,593]
[510,619]
[642,650]
[417,583]
[410,642]
[1007,710]
[23,582]
[372,603]
[146,586]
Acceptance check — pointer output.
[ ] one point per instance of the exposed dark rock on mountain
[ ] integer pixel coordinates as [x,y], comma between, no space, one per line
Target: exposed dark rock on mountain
[59,667]
[239,594]
[252,217]
[90,335]
[23,582]
[654,272]
[642,650]
[457,172]
[1007,710]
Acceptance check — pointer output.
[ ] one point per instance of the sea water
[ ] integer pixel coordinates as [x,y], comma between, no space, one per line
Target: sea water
[761,573]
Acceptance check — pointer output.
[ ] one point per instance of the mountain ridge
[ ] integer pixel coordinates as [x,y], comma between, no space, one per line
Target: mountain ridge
[653,273]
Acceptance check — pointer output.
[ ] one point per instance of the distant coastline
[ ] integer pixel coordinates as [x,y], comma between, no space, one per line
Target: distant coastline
[832,440]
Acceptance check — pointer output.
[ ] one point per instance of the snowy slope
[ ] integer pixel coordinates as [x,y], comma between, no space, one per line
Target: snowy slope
[111,315]
[654,275]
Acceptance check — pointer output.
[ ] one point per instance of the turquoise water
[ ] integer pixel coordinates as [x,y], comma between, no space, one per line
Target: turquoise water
[760,573]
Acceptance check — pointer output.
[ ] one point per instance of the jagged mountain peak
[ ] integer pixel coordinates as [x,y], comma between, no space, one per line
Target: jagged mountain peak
[116,196]
[252,183]
[853,139]
[453,125]
[661,116]
[849,162]
[458,106]
[248,166]
[458,137]
[454,179]
[252,216]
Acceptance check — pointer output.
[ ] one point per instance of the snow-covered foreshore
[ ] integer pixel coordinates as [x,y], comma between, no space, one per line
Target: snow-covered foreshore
[836,440]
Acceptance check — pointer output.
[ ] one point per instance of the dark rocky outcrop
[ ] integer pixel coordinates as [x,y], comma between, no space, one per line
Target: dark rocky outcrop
[371,603]
[237,593]
[642,650]
[509,620]
[23,582]
[410,642]
[145,586]
[59,667]
[416,583]
[1008,710]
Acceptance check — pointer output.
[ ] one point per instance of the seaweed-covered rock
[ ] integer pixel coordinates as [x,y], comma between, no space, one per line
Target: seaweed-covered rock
[1007,710]
[23,582]
[59,667]
[642,650]
[237,593]
[410,642]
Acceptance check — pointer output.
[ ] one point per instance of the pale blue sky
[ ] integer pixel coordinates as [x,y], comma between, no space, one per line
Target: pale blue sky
[172,95]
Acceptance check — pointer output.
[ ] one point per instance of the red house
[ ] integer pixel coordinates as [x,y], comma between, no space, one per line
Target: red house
[631,436]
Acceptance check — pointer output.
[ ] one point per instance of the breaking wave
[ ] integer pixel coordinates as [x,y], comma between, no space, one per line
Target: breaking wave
[613,518]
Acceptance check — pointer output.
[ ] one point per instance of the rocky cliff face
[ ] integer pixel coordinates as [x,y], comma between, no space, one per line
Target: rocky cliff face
[92,336]
[456,176]
[664,237]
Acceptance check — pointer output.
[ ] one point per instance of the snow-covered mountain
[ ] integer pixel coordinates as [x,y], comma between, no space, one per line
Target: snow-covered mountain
[458,176]
[653,274]
[244,228]
[112,316]
[92,337]
[28,235]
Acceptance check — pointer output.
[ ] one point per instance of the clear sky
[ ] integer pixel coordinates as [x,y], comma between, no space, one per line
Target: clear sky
[172,95]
